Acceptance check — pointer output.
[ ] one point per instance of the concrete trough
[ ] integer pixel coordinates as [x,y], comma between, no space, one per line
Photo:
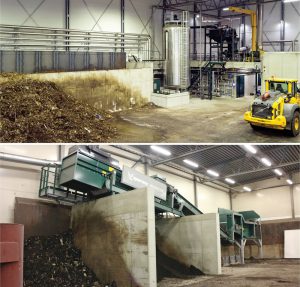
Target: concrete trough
[119,239]
[171,100]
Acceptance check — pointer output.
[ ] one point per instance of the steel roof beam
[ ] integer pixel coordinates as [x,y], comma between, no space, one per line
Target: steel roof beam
[256,170]
[184,155]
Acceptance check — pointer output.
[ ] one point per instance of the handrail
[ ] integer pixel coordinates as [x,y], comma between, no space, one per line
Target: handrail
[29,38]
[67,30]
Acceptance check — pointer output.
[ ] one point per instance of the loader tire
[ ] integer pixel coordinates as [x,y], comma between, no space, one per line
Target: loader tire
[255,128]
[295,128]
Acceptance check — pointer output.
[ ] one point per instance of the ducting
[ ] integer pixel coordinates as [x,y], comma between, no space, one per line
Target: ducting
[27,160]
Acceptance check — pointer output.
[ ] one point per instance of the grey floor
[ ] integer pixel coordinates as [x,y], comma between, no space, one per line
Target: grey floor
[261,273]
[219,120]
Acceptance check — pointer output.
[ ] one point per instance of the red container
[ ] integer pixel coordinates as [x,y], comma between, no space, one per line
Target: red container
[11,255]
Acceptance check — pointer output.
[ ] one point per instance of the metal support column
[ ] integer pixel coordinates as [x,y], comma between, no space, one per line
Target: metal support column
[122,22]
[243,44]
[194,32]
[282,26]
[230,198]
[259,24]
[146,166]
[67,22]
[195,191]
[292,201]
[164,12]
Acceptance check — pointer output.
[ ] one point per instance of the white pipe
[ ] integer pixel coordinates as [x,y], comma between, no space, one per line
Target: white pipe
[27,160]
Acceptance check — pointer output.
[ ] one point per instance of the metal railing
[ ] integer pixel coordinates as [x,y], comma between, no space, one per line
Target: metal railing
[28,38]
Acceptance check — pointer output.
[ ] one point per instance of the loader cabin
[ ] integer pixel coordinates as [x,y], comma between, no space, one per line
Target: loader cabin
[282,85]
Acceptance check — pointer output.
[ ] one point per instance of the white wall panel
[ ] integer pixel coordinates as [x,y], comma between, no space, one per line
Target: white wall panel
[269,203]
[20,180]
[49,14]
[297,200]
[210,199]
[292,23]
[95,15]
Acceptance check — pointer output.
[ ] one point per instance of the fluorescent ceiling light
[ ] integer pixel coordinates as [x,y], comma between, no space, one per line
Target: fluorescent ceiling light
[226,9]
[266,162]
[246,188]
[160,150]
[250,148]
[289,181]
[229,180]
[277,171]
[290,1]
[191,163]
[116,163]
[212,172]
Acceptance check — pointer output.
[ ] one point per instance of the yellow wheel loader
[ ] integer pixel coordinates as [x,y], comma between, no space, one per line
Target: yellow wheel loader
[278,108]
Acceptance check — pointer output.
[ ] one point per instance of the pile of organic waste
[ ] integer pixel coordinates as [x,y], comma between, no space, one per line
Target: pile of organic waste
[54,261]
[39,111]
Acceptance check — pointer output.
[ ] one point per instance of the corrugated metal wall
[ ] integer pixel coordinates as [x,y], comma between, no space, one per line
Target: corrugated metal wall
[58,61]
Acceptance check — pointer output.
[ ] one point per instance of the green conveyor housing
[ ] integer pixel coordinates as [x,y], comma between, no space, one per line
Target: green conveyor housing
[87,174]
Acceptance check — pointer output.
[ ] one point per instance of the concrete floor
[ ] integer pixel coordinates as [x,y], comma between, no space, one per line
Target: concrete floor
[216,121]
[258,273]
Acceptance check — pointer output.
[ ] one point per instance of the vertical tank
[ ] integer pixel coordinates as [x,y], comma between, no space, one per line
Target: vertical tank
[177,53]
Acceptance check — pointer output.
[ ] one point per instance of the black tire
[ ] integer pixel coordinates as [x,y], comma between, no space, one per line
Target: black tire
[295,128]
[255,128]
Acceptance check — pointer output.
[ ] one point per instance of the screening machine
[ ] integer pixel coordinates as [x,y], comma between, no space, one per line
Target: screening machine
[88,173]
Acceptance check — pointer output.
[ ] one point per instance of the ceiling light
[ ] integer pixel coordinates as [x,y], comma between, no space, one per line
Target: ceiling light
[250,148]
[198,16]
[289,181]
[229,180]
[160,150]
[226,9]
[115,163]
[246,188]
[212,172]
[266,162]
[277,171]
[191,163]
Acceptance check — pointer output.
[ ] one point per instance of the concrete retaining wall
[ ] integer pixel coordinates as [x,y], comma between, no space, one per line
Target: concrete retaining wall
[40,217]
[116,235]
[109,90]
[192,240]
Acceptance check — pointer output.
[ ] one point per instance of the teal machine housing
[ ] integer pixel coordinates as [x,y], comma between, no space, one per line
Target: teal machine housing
[88,173]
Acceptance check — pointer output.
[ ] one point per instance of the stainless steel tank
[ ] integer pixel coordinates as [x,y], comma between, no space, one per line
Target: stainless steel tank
[177,51]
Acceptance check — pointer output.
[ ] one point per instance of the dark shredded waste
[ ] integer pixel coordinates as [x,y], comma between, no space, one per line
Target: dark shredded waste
[39,111]
[54,261]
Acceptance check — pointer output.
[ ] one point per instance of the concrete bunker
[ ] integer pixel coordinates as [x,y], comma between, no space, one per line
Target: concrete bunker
[122,241]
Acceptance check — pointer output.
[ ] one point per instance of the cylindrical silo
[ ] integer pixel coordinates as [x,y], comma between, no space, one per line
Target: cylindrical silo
[177,68]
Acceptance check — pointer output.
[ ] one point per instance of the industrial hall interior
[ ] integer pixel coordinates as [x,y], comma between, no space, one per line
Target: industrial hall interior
[173,71]
[150,215]
[149,143]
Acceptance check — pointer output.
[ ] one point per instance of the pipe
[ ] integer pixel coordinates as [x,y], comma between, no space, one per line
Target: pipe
[27,160]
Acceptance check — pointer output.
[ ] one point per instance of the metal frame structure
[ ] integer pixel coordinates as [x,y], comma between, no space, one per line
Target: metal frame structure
[230,161]
[214,9]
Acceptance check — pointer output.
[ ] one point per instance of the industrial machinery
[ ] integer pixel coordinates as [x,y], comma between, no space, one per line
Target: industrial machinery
[88,173]
[176,35]
[278,108]
[254,55]
[223,39]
